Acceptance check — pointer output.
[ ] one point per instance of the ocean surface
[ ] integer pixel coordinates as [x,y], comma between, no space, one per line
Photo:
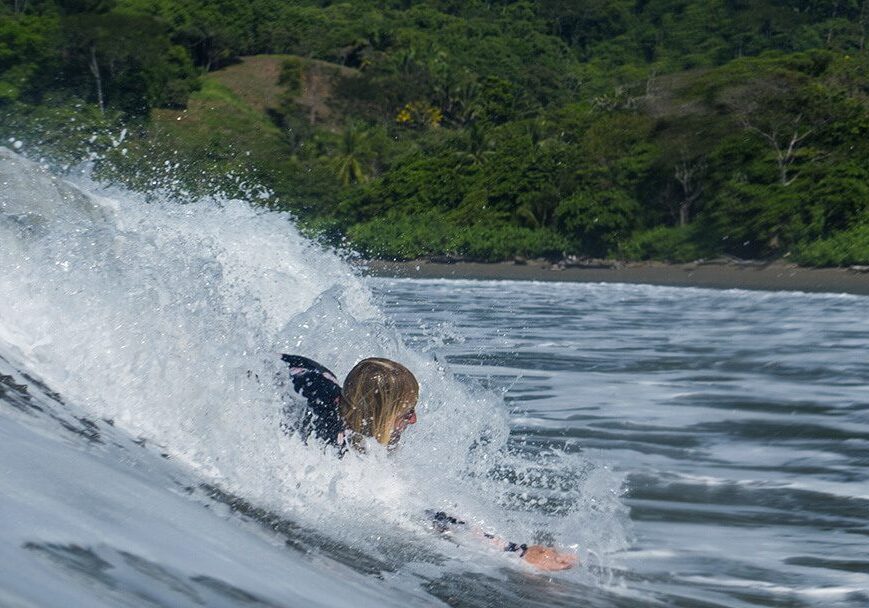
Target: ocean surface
[740,420]
[695,448]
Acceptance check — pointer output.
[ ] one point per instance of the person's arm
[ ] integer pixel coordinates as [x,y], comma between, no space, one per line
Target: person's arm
[320,388]
[545,558]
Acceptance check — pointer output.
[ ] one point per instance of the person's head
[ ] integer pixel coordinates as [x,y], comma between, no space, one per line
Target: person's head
[379,399]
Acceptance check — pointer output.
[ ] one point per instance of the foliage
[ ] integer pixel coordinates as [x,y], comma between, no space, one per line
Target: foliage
[412,236]
[292,73]
[847,248]
[419,114]
[127,60]
[63,129]
[660,129]
[597,220]
[27,50]
[672,244]
[402,236]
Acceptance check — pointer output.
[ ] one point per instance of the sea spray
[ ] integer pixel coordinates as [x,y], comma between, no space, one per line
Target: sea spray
[167,317]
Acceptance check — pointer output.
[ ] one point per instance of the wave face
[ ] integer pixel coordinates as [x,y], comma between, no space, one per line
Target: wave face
[140,341]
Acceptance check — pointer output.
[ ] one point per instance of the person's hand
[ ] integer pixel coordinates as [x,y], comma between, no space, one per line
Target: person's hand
[547,558]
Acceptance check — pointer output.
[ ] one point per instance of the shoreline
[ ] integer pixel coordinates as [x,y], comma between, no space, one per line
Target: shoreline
[776,276]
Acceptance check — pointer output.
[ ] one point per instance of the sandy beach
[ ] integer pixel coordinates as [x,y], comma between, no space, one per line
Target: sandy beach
[776,276]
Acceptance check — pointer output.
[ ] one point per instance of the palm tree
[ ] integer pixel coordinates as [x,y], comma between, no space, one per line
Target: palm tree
[348,163]
[460,103]
[537,209]
[478,146]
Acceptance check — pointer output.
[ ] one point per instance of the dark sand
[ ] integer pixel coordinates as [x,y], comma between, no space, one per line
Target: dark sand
[771,277]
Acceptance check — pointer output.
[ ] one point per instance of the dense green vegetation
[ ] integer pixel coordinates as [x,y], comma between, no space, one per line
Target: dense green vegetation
[638,129]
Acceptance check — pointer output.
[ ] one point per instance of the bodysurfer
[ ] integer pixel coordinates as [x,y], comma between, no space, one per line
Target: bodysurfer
[378,400]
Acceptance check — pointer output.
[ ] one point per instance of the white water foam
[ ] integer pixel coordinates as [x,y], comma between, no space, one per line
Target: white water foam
[169,320]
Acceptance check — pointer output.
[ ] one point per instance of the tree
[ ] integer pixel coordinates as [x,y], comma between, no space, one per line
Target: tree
[477,145]
[129,59]
[786,115]
[597,220]
[689,173]
[786,138]
[27,51]
[457,101]
[537,208]
[583,23]
[347,163]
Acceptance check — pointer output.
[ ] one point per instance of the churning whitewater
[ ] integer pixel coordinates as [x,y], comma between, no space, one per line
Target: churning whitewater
[141,404]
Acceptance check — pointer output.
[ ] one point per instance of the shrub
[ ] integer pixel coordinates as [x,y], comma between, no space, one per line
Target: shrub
[492,243]
[407,237]
[597,220]
[292,71]
[673,244]
[844,249]
[401,237]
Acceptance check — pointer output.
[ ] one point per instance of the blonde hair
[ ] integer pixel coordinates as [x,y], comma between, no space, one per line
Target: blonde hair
[376,393]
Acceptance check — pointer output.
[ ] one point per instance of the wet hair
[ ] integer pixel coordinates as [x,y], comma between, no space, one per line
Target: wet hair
[376,393]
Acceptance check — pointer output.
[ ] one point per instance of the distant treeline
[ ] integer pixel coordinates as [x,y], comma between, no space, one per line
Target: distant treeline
[639,129]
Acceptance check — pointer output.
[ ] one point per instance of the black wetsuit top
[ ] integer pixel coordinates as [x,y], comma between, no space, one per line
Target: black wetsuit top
[320,387]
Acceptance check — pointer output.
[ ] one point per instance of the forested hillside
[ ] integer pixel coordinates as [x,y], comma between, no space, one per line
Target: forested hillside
[637,129]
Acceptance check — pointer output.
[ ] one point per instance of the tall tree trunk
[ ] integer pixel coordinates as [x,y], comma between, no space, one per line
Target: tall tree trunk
[684,210]
[209,55]
[783,173]
[95,70]
[787,156]
[689,175]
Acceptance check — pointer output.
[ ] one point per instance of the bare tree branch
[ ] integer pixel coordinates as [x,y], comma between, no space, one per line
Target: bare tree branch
[785,144]
[687,173]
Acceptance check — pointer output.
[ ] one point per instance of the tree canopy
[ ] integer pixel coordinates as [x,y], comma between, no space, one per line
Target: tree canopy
[664,129]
